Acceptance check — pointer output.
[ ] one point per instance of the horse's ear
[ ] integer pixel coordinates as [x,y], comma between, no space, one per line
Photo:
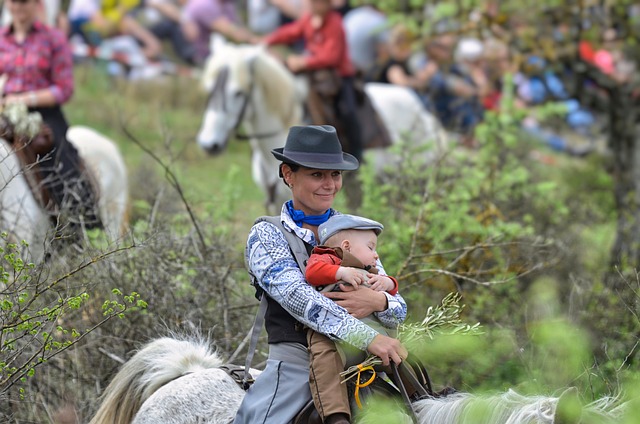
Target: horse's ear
[217,43]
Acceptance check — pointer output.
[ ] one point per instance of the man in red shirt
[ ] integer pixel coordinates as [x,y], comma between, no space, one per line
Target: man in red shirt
[325,48]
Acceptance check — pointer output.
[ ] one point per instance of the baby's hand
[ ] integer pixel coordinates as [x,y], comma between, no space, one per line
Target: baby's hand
[352,276]
[381,282]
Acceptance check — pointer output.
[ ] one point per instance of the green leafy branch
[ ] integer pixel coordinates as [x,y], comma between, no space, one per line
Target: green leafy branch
[443,319]
[33,312]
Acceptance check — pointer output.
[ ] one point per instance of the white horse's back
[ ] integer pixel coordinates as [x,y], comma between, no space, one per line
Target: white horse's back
[23,217]
[406,120]
[170,381]
[178,382]
[106,165]
[206,397]
[404,114]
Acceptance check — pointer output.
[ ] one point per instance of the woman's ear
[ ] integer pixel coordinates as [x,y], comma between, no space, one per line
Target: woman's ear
[287,174]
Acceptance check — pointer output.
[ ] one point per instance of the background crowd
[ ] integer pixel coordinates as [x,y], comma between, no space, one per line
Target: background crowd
[457,70]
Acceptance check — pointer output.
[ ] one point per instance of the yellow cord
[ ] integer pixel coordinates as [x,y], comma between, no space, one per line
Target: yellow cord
[365,384]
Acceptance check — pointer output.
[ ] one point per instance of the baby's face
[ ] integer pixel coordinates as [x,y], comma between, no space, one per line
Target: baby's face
[363,246]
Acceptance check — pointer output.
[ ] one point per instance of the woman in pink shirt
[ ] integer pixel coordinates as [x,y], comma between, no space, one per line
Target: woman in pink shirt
[38,65]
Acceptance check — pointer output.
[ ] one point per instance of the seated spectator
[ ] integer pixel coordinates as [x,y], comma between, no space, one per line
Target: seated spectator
[451,94]
[366,30]
[537,84]
[164,19]
[497,61]
[263,16]
[213,16]
[95,20]
[468,57]
[395,68]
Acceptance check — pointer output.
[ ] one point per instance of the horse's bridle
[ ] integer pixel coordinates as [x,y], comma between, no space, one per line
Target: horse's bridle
[218,88]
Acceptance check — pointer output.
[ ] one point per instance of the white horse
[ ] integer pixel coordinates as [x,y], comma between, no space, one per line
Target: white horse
[248,86]
[173,381]
[23,217]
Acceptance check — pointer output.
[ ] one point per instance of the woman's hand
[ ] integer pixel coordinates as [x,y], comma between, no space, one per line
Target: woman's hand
[11,99]
[359,303]
[387,349]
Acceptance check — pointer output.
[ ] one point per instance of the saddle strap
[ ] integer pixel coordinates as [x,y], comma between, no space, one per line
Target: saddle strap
[403,391]
[237,373]
[247,381]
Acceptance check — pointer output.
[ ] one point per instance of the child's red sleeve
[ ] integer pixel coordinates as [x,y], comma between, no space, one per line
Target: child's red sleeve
[394,290]
[322,267]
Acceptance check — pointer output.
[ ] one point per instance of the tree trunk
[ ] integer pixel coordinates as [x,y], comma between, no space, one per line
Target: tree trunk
[623,135]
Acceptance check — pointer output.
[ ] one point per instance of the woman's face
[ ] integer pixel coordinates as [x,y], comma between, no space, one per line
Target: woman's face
[23,10]
[313,190]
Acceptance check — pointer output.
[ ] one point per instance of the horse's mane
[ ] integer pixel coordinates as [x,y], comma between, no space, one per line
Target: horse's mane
[159,362]
[279,88]
[271,76]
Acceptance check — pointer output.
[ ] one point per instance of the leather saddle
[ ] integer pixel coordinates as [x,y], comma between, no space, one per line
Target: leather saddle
[415,372]
[30,151]
[322,108]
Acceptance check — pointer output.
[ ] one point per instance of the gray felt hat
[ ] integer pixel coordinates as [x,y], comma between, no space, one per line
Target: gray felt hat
[317,147]
[342,222]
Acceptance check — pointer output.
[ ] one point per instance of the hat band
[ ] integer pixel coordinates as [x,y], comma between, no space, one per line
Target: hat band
[314,157]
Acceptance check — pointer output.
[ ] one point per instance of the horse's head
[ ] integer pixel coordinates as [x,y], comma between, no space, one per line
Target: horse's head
[246,85]
[228,82]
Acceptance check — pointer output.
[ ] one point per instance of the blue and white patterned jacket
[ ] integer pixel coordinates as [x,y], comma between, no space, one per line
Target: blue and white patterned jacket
[269,258]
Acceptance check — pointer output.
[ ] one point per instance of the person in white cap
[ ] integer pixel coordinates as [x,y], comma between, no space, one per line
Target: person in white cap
[346,256]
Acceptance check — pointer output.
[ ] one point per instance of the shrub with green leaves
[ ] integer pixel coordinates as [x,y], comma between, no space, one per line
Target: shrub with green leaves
[36,307]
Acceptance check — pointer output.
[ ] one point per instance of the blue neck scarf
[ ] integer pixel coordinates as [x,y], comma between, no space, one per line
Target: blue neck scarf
[300,218]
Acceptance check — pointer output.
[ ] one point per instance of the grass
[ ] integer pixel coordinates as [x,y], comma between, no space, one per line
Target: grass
[165,116]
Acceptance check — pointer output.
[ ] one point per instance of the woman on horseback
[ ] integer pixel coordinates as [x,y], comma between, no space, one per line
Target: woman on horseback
[312,166]
[37,63]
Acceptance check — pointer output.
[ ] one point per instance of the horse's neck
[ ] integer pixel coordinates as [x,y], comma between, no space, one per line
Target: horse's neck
[283,93]
[265,125]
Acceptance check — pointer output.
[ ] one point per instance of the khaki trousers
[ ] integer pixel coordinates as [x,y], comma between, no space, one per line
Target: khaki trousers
[329,395]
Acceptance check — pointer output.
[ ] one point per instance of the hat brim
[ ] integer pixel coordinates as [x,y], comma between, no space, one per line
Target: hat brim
[349,162]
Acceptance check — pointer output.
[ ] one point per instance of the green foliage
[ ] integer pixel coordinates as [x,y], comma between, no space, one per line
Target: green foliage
[489,224]
[34,312]
[441,319]
[465,222]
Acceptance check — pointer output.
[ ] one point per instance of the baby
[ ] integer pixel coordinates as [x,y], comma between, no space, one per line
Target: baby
[346,255]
